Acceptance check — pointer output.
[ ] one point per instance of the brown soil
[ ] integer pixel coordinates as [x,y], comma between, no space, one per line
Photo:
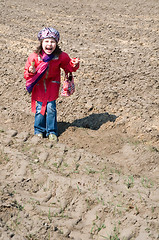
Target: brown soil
[100,181]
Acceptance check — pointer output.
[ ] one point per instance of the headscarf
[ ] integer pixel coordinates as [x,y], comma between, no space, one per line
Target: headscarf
[49,33]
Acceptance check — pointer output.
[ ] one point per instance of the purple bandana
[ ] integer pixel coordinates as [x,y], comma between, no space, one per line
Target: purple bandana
[49,33]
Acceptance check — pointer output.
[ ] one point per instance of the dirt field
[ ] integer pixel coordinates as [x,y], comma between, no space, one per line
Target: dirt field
[101,180]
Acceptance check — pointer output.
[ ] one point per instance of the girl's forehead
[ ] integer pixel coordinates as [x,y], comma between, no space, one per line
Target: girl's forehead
[47,39]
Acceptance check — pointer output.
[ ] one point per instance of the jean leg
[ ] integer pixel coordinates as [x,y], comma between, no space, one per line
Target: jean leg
[51,118]
[40,120]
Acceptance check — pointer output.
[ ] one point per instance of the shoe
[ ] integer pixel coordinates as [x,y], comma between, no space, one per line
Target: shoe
[53,137]
[40,135]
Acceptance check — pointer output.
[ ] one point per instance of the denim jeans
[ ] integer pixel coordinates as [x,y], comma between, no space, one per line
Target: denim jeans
[48,123]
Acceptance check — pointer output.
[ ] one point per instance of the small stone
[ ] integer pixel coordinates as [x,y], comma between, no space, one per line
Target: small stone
[35,140]
[11,133]
[89,105]
[49,145]
[36,160]
[8,142]
[22,137]
[43,157]
[127,233]
[11,235]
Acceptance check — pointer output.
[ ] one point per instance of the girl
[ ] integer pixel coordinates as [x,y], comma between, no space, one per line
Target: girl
[42,74]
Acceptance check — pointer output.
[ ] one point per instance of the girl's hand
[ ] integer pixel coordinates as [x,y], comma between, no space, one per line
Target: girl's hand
[75,62]
[32,68]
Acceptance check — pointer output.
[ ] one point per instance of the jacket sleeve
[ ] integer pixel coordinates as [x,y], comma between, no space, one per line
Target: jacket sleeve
[32,57]
[66,63]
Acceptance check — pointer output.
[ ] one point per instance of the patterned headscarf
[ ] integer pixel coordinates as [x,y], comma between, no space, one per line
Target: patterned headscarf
[48,33]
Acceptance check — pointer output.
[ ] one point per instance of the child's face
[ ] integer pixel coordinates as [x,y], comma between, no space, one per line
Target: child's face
[48,45]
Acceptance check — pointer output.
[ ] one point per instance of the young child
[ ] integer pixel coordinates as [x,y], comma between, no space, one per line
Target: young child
[42,74]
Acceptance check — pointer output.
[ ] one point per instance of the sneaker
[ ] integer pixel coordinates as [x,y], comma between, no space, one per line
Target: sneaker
[40,135]
[53,137]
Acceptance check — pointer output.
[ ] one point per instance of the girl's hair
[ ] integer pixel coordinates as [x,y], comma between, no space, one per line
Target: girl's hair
[39,49]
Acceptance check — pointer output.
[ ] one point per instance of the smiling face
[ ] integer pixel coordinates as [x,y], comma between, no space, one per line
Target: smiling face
[49,45]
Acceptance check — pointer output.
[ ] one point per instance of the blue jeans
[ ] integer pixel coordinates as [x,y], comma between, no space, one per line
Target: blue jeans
[48,123]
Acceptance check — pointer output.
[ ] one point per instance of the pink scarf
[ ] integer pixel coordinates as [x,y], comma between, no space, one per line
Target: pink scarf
[40,70]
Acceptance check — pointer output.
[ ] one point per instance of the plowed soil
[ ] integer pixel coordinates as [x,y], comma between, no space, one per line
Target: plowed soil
[101,180]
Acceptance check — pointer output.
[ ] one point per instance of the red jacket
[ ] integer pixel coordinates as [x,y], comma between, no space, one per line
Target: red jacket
[47,88]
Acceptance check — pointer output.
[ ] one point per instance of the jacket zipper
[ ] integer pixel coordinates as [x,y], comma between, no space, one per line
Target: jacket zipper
[47,73]
[45,85]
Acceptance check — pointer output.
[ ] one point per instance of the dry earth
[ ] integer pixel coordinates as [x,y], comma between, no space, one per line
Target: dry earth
[100,181]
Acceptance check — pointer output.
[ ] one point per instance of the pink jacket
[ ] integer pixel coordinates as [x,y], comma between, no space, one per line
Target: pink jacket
[47,88]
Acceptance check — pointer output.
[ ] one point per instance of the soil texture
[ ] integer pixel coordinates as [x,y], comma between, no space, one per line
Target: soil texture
[101,180]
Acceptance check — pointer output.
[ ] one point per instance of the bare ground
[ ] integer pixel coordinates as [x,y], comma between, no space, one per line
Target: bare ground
[100,181]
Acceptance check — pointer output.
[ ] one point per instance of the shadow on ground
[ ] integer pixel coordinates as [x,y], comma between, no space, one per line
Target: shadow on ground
[93,122]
